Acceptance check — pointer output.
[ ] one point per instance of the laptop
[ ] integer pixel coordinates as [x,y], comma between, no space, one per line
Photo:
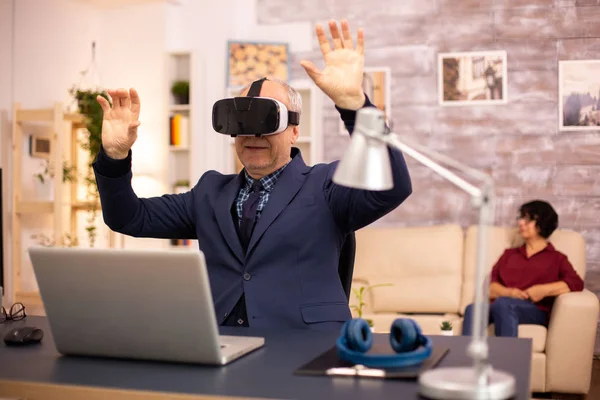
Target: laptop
[133,304]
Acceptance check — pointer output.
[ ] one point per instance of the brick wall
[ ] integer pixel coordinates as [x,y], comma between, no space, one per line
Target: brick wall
[519,143]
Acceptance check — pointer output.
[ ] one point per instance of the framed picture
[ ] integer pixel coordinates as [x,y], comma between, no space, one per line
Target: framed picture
[470,78]
[39,146]
[579,95]
[249,61]
[376,85]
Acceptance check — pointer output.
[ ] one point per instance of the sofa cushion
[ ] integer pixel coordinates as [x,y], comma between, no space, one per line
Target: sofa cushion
[538,372]
[423,264]
[537,333]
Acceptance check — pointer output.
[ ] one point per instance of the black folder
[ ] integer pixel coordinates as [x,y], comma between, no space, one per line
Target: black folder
[329,364]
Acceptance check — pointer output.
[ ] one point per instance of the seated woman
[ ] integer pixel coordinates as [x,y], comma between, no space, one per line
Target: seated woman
[525,280]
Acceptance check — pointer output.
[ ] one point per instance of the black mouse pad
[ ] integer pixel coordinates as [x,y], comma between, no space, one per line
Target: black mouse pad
[329,364]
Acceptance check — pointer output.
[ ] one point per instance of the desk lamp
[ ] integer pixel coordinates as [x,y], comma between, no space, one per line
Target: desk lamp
[366,165]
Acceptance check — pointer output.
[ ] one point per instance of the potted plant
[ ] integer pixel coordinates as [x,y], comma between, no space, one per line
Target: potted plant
[88,106]
[181,92]
[43,179]
[446,328]
[66,241]
[360,299]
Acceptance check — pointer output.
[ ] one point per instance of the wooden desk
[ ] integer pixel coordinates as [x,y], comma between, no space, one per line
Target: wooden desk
[40,373]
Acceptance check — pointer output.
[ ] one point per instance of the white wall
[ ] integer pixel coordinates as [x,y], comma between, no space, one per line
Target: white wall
[6,28]
[52,44]
[134,56]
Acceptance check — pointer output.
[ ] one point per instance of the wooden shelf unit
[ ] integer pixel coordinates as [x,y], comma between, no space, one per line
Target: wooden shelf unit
[62,133]
[180,132]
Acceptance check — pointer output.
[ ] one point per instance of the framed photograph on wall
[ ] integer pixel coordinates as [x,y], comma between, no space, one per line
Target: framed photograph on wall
[249,61]
[579,95]
[376,85]
[472,78]
[39,146]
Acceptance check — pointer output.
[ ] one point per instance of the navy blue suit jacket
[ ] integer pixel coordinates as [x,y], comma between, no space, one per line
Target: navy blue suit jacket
[290,272]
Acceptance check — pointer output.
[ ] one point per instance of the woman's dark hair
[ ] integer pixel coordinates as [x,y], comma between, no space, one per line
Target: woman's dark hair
[543,214]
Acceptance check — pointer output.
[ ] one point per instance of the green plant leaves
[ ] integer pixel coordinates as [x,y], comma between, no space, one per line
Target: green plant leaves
[89,107]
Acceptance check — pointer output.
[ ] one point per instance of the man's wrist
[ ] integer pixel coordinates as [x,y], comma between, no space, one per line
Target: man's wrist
[116,155]
[112,168]
[354,103]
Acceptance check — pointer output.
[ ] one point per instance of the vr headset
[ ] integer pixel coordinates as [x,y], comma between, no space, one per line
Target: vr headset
[252,115]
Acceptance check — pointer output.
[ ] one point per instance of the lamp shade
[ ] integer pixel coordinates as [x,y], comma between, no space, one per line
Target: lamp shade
[366,163]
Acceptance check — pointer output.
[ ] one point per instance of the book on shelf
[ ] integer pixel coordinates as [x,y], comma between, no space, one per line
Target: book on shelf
[179,130]
[181,188]
[181,242]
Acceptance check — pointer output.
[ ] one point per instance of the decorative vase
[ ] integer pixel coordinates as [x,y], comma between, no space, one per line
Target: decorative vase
[44,190]
[446,333]
[182,98]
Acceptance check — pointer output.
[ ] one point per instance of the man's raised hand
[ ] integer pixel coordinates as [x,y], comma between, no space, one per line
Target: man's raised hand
[120,122]
[342,77]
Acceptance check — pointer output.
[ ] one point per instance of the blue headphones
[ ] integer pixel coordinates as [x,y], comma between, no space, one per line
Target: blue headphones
[405,337]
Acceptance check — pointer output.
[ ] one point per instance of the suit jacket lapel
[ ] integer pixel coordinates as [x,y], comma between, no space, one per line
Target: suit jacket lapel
[225,220]
[288,184]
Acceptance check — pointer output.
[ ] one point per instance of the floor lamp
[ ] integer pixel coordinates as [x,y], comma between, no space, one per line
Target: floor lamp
[366,165]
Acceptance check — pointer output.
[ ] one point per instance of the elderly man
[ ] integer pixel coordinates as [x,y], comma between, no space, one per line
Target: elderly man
[272,234]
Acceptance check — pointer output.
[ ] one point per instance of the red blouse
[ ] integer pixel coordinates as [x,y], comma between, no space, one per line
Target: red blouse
[515,270]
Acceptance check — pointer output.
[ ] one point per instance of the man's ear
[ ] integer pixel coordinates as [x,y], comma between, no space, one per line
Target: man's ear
[295,134]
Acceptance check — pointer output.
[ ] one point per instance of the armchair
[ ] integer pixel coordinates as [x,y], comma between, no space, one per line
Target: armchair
[563,353]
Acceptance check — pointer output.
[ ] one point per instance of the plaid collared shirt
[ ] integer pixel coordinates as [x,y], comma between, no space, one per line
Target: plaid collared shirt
[267,182]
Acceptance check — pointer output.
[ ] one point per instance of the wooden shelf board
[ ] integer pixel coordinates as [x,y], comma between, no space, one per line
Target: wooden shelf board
[179,148]
[180,107]
[75,118]
[41,207]
[35,115]
[47,115]
[84,205]
[34,207]
[178,53]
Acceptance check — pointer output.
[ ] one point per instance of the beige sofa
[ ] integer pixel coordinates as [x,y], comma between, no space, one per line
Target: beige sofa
[432,268]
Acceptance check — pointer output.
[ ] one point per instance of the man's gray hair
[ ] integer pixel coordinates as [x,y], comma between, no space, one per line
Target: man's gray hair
[295,100]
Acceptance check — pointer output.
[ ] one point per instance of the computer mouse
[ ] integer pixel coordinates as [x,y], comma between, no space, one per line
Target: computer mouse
[23,335]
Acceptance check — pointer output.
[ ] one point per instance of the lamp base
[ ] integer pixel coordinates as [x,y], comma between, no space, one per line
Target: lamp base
[459,383]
